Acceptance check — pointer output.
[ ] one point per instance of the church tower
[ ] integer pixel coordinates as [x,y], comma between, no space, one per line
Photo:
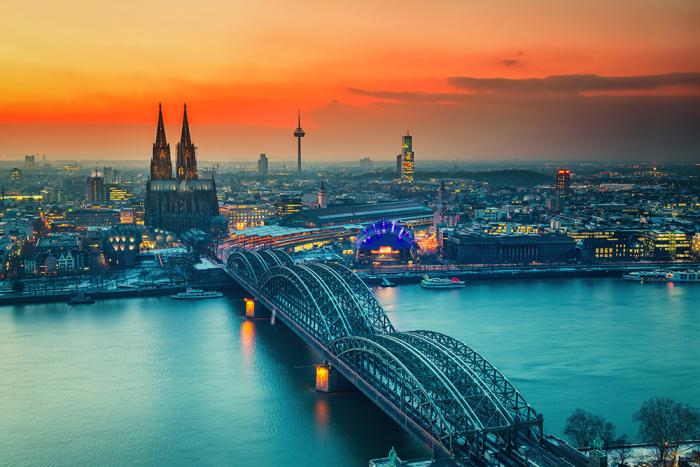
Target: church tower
[186,158]
[161,165]
[321,199]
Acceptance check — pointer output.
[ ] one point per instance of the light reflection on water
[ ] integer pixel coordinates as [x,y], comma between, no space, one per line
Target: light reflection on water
[149,381]
[604,345]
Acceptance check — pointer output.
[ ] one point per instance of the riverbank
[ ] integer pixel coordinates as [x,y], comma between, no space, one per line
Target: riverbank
[16,298]
[415,274]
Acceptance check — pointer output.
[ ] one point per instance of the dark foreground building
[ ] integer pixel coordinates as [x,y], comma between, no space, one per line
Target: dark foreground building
[181,203]
[475,248]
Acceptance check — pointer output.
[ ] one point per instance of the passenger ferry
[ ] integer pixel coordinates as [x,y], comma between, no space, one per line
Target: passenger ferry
[195,294]
[441,283]
[663,276]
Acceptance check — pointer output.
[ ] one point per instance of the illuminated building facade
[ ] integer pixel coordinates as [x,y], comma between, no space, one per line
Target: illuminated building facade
[96,193]
[94,217]
[610,245]
[563,181]
[245,216]
[385,242]
[289,204]
[664,245]
[407,158]
[507,228]
[126,216]
[117,193]
[183,203]
[121,246]
[695,244]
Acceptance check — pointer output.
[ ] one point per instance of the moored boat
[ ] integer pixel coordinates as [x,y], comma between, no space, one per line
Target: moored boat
[663,276]
[441,283]
[195,294]
[81,298]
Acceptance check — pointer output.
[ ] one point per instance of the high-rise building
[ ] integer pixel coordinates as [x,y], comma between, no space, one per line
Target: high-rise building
[186,203]
[366,163]
[407,158]
[299,133]
[263,165]
[563,181]
[96,188]
[398,165]
[110,174]
[29,161]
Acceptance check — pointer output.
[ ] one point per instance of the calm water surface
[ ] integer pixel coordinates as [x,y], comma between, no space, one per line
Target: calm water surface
[153,381]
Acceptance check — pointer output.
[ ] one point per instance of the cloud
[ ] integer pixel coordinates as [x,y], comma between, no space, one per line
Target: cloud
[574,84]
[566,124]
[510,62]
[412,96]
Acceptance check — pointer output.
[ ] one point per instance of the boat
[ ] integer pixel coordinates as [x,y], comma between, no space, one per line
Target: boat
[441,283]
[195,294]
[81,298]
[387,283]
[663,276]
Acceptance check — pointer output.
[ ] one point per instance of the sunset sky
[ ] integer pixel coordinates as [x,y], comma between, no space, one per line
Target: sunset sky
[488,80]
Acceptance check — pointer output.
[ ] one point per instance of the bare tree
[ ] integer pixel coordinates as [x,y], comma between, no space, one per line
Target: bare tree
[666,423]
[621,451]
[582,427]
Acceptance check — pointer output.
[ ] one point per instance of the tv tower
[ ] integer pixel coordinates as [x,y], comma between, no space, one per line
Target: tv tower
[299,134]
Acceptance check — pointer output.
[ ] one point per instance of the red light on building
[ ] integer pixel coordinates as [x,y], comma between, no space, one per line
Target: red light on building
[563,179]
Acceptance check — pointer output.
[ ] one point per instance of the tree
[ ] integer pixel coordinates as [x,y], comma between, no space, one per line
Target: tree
[666,423]
[582,427]
[621,451]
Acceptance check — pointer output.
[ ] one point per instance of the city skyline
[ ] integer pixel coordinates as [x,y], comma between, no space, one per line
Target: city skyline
[598,81]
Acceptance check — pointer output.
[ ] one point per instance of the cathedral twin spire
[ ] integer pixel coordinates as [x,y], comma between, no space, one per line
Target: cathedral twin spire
[161,164]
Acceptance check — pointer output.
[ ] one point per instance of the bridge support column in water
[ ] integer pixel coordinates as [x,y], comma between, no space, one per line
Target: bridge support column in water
[249,307]
[328,379]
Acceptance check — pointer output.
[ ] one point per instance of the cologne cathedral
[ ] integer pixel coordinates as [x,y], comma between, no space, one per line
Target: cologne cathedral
[186,201]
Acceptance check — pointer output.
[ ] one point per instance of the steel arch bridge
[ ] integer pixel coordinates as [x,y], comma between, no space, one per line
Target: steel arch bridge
[435,386]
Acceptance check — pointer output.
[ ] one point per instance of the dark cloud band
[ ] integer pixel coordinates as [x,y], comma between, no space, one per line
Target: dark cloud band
[575,84]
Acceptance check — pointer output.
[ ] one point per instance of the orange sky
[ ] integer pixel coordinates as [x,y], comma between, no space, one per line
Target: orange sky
[83,78]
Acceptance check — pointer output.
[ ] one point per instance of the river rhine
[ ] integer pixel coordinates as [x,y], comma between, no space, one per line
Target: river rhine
[153,381]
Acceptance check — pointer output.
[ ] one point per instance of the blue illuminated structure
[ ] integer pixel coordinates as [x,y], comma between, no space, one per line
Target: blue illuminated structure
[386,242]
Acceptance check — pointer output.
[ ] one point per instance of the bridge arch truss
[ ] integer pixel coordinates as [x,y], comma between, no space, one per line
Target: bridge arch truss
[449,391]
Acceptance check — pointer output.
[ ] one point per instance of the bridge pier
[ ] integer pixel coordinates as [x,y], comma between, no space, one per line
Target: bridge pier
[249,307]
[328,379]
